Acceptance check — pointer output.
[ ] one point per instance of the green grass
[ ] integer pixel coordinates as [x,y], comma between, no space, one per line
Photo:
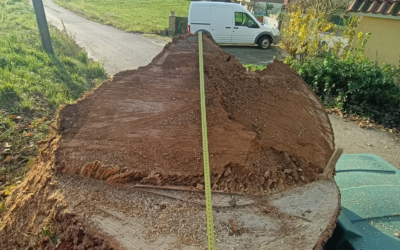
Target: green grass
[253,67]
[129,15]
[34,84]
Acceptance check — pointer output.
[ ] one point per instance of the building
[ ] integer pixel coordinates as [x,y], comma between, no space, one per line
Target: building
[382,19]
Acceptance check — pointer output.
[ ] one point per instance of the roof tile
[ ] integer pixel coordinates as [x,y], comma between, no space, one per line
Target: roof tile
[384,7]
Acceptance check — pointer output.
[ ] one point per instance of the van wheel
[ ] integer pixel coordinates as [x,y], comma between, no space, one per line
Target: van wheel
[264,42]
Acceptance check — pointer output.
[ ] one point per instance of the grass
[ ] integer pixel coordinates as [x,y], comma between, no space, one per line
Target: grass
[33,85]
[129,15]
[252,67]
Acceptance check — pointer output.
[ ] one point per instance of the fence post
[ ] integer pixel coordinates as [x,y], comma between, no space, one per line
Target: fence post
[172,19]
[42,26]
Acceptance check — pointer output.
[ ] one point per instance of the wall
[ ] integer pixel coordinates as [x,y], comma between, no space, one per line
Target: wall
[384,44]
[177,25]
[271,21]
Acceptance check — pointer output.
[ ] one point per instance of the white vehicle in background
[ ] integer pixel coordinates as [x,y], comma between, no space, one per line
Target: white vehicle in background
[230,23]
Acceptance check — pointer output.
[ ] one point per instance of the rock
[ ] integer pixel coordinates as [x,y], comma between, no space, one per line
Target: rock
[228,171]
[232,202]
[281,185]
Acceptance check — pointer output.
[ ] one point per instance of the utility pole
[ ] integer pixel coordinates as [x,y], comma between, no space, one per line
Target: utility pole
[42,26]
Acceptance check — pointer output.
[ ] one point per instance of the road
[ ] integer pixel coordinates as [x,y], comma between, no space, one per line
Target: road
[254,55]
[119,50]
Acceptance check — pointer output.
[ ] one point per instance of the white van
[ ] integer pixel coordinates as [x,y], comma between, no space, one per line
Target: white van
[230,23]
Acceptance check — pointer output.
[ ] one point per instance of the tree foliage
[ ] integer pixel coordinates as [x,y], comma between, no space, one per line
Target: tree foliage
[336,67]
[328,7]
[301,32]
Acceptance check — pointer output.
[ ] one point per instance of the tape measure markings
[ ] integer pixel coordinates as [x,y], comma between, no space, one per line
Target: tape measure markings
[210,222]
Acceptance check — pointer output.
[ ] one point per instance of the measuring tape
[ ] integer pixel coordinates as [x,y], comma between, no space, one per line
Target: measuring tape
[210,223]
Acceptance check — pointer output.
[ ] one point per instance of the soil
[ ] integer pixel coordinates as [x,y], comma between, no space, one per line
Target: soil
[267,132]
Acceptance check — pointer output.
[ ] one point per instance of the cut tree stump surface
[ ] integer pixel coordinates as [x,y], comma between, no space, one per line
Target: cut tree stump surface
[267,130]
[109,176]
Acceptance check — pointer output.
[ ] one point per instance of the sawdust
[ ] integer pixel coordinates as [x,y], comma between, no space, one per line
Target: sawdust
[267,131]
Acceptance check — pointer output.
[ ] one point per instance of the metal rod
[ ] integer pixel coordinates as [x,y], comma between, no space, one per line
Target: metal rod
[42,26]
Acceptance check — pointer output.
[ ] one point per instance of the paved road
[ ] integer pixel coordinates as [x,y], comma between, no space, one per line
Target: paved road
[254,55]
[120,50]
[117,49]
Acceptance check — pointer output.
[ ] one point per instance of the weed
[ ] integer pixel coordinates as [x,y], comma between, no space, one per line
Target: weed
[46,232]
[3,207]
[253,67]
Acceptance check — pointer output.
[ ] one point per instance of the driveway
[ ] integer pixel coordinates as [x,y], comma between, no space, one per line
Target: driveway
[254,55]
[119,50]
[354,140]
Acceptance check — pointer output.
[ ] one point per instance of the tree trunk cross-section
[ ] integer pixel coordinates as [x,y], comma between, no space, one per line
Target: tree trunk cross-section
[123,169]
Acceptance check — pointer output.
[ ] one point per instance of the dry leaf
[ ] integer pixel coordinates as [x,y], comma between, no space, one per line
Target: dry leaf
[30,134]
[15,117]
[8,159]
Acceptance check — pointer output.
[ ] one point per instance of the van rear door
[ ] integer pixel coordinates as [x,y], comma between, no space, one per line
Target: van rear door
[222,23]
[199,17]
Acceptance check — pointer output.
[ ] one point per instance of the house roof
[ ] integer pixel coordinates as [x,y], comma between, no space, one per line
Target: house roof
[384,7]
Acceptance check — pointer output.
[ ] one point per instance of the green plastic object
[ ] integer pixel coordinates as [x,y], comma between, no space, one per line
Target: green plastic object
[370,204]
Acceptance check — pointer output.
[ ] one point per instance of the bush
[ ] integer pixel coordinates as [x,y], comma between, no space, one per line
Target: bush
[357,86]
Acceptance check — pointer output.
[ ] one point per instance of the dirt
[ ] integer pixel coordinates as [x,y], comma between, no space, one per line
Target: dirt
[267,133]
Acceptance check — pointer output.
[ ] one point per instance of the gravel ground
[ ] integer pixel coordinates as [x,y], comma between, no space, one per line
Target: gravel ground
[355,140]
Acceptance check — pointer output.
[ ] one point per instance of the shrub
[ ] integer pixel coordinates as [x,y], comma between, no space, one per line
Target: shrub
[354,85]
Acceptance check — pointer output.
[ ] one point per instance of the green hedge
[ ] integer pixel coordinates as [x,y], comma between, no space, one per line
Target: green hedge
[360,87]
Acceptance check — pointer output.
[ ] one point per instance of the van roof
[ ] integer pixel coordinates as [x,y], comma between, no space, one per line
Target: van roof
[213,3]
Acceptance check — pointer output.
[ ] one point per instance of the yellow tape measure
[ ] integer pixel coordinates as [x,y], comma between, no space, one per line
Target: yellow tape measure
[210,223]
